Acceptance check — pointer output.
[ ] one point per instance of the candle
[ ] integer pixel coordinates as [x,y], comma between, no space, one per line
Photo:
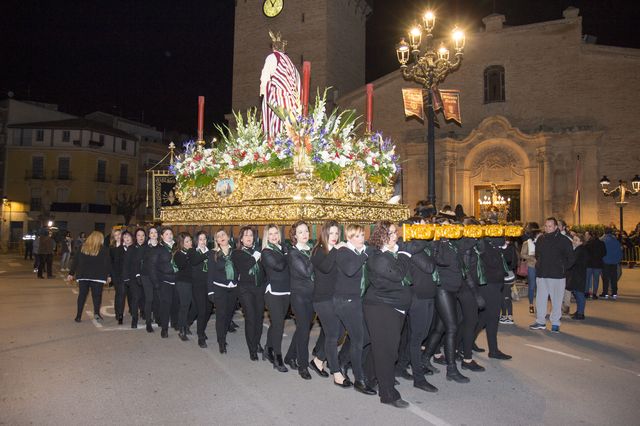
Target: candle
[369,106]
[200,117]
[306,76]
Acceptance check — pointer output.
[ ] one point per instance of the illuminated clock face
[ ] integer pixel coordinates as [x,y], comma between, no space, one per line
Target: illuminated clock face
[272,8]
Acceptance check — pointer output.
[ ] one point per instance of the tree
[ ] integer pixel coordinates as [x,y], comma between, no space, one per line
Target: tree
[126,204]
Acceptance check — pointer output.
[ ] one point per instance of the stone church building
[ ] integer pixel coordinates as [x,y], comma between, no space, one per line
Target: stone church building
[534,98]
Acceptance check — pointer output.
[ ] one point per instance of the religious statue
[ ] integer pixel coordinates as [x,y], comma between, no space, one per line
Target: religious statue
[279,87]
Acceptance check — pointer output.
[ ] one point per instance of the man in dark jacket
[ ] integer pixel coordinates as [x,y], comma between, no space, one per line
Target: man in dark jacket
[554,254]
[45,254]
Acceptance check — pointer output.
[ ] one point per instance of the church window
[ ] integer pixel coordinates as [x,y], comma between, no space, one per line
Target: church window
[494,84]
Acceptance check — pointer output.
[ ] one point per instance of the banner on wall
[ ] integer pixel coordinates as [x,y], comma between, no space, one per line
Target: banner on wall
[164,194]
[413,103]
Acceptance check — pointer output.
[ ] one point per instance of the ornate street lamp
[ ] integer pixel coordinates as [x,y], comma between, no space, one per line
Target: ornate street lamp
[429,70]
[621,191]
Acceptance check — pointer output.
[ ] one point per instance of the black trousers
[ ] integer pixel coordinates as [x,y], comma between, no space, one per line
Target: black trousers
[318,348]
[141,298]
[489,318]
[132,288]
[201,307]
[278,307]
[385,325]
[185,295]
[119,298]
[332,330]
[166,291]
[302,307]
[45,261]
[419,318]
[28,251]
[96,295]
[506,307]
[252,302]
[447,325]
[174,311]
[469,321]
[349,312]
[609,278]
[150,296]
[225,300]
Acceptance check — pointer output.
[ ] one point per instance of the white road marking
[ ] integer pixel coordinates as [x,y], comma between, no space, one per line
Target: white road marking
[425,415]
[105,313]
[558,352]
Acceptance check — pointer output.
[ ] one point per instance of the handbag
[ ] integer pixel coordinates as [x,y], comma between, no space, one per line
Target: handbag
[523,268]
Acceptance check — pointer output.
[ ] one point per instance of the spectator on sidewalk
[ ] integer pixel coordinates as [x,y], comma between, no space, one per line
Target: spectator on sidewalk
[611,261]
[595,252]
[528,252]
[554,254]
[36,252]
[45,254]
[28,246]
[577,276]
[65,250]
[566,300]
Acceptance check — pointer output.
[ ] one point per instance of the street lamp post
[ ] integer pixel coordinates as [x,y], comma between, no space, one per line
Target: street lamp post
[429,70]
[621,191]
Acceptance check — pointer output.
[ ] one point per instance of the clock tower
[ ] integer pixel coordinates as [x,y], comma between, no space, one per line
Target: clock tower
[328,33]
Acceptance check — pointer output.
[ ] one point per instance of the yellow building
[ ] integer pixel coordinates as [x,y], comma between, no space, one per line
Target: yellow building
[68,172]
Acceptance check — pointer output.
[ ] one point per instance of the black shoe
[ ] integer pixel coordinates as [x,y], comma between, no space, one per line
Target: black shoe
[472,366]
[476,348]
[134,323]
[346,383]
[77,319]
[577,316]
[119,321]
[454,374]
[398,403]
[149,327]
[202,343]
[268,355]
[292,363]
[182,333]
[304,373]
[499,355]
[260,349]
[442,360]
[253,356]
[188,331]
[278,364]
[315,368]
[222,347]
[98,317]
[425,386]
[164,333]
[402,372]
[363,388]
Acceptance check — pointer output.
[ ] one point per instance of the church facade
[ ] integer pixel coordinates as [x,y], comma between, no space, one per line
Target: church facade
[534,99]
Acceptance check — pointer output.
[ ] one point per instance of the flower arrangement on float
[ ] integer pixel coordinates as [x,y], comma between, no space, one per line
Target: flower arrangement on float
[330,143]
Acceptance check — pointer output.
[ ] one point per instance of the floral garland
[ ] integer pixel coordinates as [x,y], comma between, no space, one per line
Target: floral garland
[329,140]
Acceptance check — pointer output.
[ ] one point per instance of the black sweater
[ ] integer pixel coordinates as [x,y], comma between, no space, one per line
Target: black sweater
[301,272]
[276,268]
[386,273]
[492,260]
[200,263]
[554,254]
[596,250]
[448,264]
[349,272]
[149,255]
[421,267]
[325,274]
[136,261]
[243,261]
[577,274]
[94,268]
[115,254]
[127,260]
[163,272]
[181,259]
[217,272]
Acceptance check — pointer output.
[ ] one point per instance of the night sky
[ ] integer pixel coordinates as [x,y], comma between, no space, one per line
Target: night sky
[148,60]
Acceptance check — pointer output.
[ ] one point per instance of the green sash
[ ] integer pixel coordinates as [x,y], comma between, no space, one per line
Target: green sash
[255,269]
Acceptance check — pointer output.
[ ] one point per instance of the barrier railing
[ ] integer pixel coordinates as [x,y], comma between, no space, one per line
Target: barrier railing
[631,255]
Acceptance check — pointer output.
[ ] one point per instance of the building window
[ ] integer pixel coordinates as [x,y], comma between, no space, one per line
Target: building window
[494,84]
[63,168]
[101,140]
[39,135]
[101,175]
[124,173]
[62,195]
[35,204]
[37,167]
[123,144]
[66,136]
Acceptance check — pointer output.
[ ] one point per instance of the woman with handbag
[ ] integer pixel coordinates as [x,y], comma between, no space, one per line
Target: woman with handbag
[528,253]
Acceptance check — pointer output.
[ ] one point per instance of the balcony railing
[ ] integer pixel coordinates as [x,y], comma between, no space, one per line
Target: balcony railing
[34,174]
[101,177]
[61,174]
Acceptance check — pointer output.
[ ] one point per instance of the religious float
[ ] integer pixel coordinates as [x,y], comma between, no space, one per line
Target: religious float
[291,162]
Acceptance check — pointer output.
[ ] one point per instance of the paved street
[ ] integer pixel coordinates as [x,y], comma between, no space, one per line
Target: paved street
[54,371]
